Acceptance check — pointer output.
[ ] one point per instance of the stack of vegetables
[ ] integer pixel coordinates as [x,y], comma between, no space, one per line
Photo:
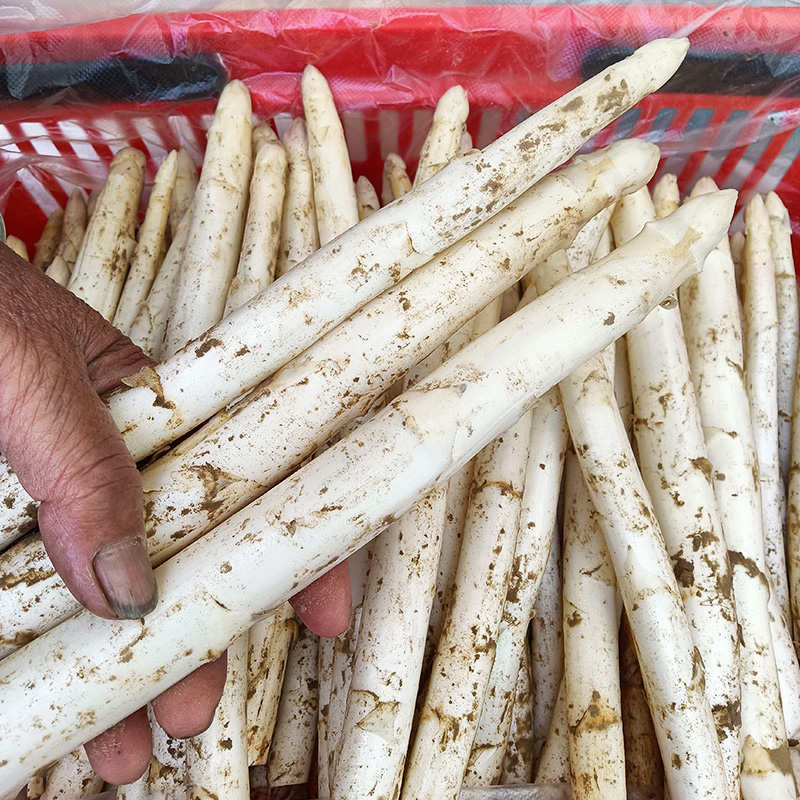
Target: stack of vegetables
[546,415]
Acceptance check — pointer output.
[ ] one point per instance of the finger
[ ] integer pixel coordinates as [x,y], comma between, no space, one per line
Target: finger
[65,448]
[188,707]
[324,606]
[121,754]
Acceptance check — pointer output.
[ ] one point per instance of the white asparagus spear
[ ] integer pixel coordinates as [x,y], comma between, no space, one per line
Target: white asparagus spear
[677,473]
[18,246]
[261,238]
[666,197]
[294,736]
[215,236]
[216,760]
[788,322]
[547,648]
[357,487]
[455,515]
[367,197]
[386,669]
[299,237]
[671,667]
[737,254]
[72,779]
[553,766]
[591,649]
[72,231]
[197,484]
[269,641]
[45,249]
[517,759]
[438,756]
[396,182]
[444,138]
[760,305]
[344,653]
[793,510]
[243,349]
[102,262]
[324,680]
[537,521]
[788,669]
[334,190]
[710,314]
[150,245]
[147,329]
[182,197]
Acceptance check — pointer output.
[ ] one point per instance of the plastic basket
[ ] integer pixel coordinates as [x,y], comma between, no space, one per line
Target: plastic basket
[71,97]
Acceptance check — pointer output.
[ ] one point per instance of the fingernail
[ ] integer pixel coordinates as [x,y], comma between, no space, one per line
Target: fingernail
[125,575]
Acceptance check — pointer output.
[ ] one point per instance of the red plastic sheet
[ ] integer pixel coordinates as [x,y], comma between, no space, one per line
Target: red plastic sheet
[70,97]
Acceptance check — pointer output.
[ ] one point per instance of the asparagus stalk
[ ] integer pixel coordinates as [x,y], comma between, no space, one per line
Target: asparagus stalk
[591,649]
[643,766]
[72,778]
[396,182]
[547,650]
[760,305]
[182,197]
[148,254]
[444,138]
[518,757]
[709,310]
[215,236]
[357,487]
[147,329]
[334,191]
[438,757]
[677,473]
[386,669]
[18,246]
[102,262]
[553,766]
[45,249]
[261,238]
[269,641]
[69,244]
[788,322]
[367,198]
[671,666]
[216,760]
[293,739]
[299,237]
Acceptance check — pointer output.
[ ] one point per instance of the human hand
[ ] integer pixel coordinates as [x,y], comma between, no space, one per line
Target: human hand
[56,357]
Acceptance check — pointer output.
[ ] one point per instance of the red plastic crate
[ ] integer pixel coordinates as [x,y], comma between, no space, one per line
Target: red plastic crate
[388,67]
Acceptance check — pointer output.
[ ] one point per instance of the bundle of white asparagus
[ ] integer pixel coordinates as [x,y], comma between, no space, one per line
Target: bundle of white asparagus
[534,408]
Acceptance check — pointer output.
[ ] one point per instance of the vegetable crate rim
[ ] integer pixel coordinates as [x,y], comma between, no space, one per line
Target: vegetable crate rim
[71,97]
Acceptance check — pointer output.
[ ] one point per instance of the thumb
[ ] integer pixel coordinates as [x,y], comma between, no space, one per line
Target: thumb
[56,354]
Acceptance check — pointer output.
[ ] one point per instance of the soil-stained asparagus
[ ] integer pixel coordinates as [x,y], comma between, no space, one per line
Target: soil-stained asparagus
[215,236]
[108,244]
[203,479]
[365,480]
